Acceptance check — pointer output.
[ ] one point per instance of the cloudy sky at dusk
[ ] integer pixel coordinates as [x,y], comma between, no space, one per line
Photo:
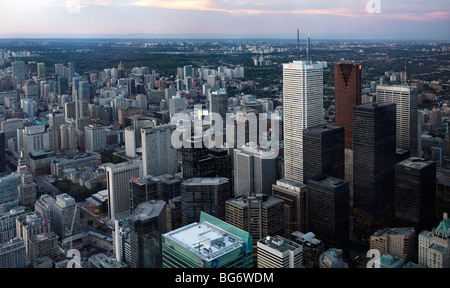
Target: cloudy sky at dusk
[323,19]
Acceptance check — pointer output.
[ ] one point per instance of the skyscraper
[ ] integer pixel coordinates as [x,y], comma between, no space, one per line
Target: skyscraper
[293,195]
[218,103]
[41,70]
[66,216]
[147,224]
[302,108]
[328,210]
[95,138]
[374,156]
[118,178]
[347,89]
[9,192]
[144,189]
[323,152]
[415,193]
[2,152]
[254,171]
[158,155]
[19,72]
[204,195]
[406,99]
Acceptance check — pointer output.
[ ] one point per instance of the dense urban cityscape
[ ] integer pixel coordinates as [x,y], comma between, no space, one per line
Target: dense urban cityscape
[301,153]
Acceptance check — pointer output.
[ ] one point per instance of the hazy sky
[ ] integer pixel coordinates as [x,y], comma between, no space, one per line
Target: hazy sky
[323,19]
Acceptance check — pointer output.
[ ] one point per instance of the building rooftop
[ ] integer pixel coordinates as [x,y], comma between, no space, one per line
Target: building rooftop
[147,210]
[404,231]
[279,244]
[416,163]
[205,181]
[205,240]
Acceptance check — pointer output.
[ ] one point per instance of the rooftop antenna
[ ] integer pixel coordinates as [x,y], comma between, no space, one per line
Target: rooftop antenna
[308,47]
[298,44]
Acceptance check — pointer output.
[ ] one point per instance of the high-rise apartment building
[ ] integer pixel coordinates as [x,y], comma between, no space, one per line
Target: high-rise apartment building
[415,193]
[323,152]
[95,138]
[118,178]
[374,155]
[302,108]
[158,155]
[293,195]
[347,89]
[406,99]
[278,252]
[147,224]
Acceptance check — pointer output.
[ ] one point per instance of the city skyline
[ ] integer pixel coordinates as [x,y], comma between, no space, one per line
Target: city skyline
[413,20]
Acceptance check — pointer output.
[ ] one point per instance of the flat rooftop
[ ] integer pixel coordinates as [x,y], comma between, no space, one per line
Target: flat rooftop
[205,240]
[147,210]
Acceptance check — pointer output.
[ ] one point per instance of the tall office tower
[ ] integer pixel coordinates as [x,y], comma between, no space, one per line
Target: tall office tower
[70,71]
[19,72]
[59,70]
[69,141]
[66,216]
[9,198]
[373,167]
[144,189]
[41,70]
[31,89]
[442,194]
[323,152]
[302,108]
[260,215]
[13,254]
[195,160]
[95,138]
[406,99]
[28,225]
[27,188]
[312,248]
[44,205]
[142,100]
[209,243]
[170,186]
[435,118]
[2,152]
[328,210]
[118,178]
[400,242]
[347,89]
[84,92]
[187,71]
[158,155]
[62,85]
[121,71]
[434,245]
[173,214]
[177,104]
[31,69]
[293,195]
[29,108]
[218,103]
[204,194]
[254,171]
[147,224]
[415,193]
[279,252]
[42,245]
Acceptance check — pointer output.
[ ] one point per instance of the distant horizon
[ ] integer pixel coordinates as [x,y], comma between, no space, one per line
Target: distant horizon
[140,36]
[217,19]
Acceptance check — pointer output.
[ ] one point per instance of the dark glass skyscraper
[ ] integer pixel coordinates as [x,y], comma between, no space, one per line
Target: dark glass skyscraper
[374,155]
[415,194]
[323,152]
[347,88]
[328,210]
[143,190]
